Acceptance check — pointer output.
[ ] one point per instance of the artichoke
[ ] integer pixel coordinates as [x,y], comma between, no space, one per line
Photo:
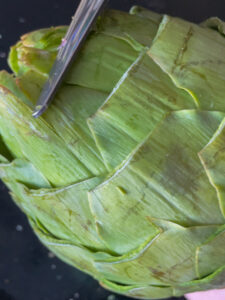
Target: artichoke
[124,176]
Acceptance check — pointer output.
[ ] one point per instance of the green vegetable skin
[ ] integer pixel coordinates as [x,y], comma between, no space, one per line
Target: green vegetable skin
[124,176]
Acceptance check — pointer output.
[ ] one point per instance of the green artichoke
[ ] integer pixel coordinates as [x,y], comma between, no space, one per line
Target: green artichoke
[124,176]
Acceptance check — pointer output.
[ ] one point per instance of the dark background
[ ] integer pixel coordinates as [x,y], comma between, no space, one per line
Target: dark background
[27,270]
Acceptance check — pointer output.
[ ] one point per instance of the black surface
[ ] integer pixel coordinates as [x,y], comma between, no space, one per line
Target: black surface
[26,270]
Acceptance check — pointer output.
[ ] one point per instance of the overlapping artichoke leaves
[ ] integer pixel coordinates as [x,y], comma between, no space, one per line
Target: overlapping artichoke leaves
[123,177]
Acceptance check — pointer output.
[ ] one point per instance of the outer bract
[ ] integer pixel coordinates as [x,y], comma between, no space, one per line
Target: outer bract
[124,176]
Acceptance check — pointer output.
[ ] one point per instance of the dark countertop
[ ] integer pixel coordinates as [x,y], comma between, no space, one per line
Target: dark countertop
[27,269]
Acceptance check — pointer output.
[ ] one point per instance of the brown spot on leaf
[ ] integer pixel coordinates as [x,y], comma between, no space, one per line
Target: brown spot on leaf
[157,273]
[178,171]
[89,223]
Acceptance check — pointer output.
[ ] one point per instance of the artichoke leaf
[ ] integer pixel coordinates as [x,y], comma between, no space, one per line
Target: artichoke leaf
[44,148]
[213,160]
[146,13]
[23,171]
[5,155]
[13,58]
[94,68]
[136,30]
[45,39]
[214,280]
[178,55]
[160,262]
[10,82]
[169,162]
[215,24]
[211,250]
[142,292]
[34,48]
[64,211]
[31,84]
[124,121]
[68,116]
[70,253]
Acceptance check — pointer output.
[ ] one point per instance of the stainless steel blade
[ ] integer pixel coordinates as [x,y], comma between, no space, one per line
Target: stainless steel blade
[82,22]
